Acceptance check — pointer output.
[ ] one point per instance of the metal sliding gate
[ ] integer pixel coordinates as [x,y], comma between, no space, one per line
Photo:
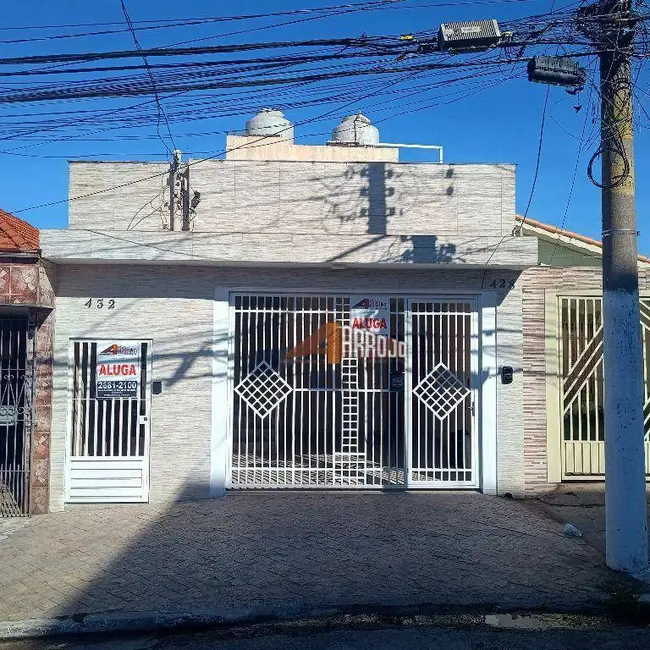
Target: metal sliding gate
[582,381]
[318,403]
[16,416]
[108,458]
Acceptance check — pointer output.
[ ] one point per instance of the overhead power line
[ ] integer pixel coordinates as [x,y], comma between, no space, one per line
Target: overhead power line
[154,88]
[218,154]
[162,23]
[379,42]
[118,88]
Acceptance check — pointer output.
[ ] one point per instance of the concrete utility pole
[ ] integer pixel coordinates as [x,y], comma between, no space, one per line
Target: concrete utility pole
[625,486]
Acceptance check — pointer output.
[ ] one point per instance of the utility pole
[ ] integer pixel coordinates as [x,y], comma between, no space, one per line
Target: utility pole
[174,187]
[611,27]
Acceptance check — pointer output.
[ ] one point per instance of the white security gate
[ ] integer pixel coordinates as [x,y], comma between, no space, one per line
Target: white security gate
[443,404]
[324,396]
[108,456]
[582,383]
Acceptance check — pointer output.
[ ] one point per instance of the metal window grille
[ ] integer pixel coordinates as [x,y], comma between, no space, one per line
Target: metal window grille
[16,416]
[322,424]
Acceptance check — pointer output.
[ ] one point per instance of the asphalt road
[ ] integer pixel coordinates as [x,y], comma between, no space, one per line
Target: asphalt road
[385,639]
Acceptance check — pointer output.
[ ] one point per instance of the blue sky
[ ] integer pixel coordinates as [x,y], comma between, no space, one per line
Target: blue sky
[495,122]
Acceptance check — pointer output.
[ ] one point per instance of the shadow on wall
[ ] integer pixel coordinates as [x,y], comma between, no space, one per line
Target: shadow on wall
[423,248]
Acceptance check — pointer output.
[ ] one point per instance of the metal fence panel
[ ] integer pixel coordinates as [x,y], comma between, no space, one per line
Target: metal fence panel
[16,416]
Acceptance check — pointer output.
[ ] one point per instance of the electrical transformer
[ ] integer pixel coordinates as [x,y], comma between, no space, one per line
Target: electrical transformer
[556,70]
[469,35]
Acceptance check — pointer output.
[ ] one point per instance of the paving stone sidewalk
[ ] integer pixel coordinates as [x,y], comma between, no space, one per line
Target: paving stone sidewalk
[268,551]
[583,505]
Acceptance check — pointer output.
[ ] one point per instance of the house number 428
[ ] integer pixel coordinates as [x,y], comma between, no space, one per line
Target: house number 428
[100,303]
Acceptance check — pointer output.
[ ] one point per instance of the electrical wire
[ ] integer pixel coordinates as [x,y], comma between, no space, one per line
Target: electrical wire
[518,227]
[127,89]
[581,146]
[154,24]
[202,160]
[310,73]
[538,159]
[161,112]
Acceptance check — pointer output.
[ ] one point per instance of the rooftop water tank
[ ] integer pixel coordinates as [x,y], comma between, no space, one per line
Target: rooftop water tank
[270,122]
[356,129]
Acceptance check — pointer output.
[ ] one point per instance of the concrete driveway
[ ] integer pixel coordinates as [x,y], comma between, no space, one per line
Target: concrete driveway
[275,552]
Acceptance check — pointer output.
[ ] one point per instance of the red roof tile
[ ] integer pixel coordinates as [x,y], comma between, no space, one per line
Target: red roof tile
[17,235]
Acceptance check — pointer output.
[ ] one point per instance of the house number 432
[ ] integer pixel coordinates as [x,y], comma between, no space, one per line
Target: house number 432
[100,303]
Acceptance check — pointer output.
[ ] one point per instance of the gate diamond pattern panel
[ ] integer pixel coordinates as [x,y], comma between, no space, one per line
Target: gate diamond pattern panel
[441,391]
[263,389]
[322,400]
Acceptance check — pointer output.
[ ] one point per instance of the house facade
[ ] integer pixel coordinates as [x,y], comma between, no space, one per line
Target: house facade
[26,339]
[310,317]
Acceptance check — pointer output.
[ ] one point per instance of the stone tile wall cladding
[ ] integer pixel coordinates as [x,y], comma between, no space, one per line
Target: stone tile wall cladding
[40,495]
[535,283]
[30,284]
[313,198]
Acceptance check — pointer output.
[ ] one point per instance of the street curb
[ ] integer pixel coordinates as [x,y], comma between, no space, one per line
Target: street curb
[287,619]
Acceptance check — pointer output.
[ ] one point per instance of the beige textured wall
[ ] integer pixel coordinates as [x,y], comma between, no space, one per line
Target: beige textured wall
[328,198]
[173,306]
[283,248]
[510,413]
[122,194]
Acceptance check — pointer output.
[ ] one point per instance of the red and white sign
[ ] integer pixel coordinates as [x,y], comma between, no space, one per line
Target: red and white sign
[118,369]
[371,314]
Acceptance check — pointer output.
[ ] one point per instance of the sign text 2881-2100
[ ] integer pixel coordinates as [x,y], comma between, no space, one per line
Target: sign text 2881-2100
[100,303]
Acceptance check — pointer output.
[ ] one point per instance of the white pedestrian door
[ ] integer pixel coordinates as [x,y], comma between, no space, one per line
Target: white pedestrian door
[353,392]
[109,423]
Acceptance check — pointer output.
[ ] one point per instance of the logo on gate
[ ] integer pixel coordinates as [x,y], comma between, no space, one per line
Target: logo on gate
[336,341]
[120,349]
[370,303]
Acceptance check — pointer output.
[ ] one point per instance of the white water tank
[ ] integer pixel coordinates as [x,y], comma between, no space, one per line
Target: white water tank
[356,129]
[270,122]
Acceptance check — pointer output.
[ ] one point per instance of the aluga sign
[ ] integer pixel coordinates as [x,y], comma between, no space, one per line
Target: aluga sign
[118,370]
[370,314]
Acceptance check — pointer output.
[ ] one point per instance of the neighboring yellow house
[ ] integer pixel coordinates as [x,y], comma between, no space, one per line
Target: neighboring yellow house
[563,358]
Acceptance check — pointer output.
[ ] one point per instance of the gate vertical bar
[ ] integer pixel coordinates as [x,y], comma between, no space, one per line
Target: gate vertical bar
[408,393]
